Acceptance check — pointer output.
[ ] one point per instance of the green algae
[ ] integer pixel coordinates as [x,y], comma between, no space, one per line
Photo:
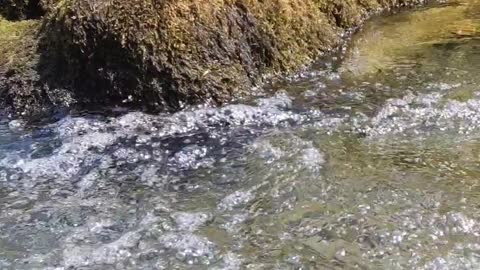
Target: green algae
[17,43]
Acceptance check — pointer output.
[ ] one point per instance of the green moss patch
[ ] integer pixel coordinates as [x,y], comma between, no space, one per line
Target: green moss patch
[17,44]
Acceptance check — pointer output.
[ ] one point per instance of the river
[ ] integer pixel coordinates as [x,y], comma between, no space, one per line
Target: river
[370,159]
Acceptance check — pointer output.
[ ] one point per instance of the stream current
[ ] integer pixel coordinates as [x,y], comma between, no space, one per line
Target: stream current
[368,160]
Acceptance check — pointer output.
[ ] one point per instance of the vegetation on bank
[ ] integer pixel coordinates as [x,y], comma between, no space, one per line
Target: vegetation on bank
[160,54]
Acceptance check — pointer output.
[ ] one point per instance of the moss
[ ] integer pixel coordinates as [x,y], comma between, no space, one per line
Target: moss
[162,54]
[18,59]
[16,43]
[22,90]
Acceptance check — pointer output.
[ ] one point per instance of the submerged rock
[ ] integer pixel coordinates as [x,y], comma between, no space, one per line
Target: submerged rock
[410,40]
[160,55]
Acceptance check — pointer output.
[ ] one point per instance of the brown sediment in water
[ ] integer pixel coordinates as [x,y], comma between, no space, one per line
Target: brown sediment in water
[396,43]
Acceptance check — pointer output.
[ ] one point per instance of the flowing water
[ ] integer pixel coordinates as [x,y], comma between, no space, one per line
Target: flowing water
[370,160]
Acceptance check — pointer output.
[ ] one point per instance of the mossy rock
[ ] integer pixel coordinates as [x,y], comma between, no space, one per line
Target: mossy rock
[22,90]
[17,60]
[163,54]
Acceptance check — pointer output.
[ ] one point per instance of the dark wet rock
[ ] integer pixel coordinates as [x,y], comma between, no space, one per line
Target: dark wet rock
[22,9]
[161,55]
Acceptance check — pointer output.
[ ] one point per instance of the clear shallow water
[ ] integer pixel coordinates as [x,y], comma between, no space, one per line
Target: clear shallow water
[345,167]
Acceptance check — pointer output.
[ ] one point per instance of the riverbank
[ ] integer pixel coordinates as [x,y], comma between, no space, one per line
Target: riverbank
[160,56]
